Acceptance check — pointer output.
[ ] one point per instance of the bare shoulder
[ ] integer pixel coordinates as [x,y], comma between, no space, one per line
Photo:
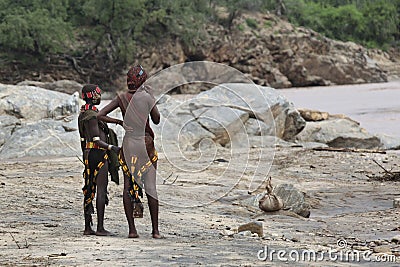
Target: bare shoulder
[149,93]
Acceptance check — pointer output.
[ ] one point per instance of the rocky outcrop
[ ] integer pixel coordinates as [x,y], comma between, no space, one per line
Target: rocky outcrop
[275,53]
[34,122]
[262,103]
[313,115]
[43,138]
[64,86]
[39,122]
[270,51]
[8,124]
[34,103]
[229,115]
[336,131]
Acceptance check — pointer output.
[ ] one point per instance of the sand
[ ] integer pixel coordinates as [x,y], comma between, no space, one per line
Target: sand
[41,220]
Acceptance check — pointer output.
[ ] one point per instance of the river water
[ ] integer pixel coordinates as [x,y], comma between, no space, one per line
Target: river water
[375,105]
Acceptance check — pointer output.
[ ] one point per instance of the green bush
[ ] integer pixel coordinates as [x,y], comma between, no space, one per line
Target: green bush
[252,23]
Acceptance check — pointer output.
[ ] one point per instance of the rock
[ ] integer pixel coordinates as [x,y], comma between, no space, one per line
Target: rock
[178,128]
[293,199]
[279,55]
[230,115]
[253,227]
[311,145]
[396,203]
[34,103]
[8,125]
[262,103]
[389,142]
[313,115]
[258,128]
[382,249]
[64,86]
[341,133]
[253,201]
[226,232]
[268,141]
[245,233]
[361,248]
[222,122]
[43,138]
[396,239]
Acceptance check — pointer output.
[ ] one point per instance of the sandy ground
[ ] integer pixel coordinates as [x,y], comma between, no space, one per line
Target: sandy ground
[41,220]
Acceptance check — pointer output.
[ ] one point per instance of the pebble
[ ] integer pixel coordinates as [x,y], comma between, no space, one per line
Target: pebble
[253,227]
[396,203]
[396,239]
[245,233]
[362,248]
[382,249]
[226,232]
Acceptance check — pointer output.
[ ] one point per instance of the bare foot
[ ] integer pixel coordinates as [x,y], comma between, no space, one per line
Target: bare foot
[133,235]
[104,233]
[157,235]
[89,232]
[132,232]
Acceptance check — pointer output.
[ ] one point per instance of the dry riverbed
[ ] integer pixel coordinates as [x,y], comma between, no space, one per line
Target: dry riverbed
[41,219]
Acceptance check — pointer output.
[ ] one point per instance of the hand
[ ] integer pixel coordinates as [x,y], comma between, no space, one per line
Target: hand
[116,149]
[149,90]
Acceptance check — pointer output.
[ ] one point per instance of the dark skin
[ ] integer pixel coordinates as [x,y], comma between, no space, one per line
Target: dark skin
[102,177]
[128,204]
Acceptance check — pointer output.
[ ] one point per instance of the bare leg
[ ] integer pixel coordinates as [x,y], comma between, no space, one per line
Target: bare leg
[151,193]
[128,207]
[88,227]
[153,207]
[102,182]
[88,217]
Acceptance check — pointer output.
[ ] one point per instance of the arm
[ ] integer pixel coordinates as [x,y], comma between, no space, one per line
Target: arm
[95,136]
[102,115]
[83,141]
[155,114]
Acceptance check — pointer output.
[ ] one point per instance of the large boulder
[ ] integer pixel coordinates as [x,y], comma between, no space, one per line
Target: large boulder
[339,132]
[178,127]
[8,125]
[64,86]
[262,103]
[34,103]
[228,113]
[47,137]
[37,122]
